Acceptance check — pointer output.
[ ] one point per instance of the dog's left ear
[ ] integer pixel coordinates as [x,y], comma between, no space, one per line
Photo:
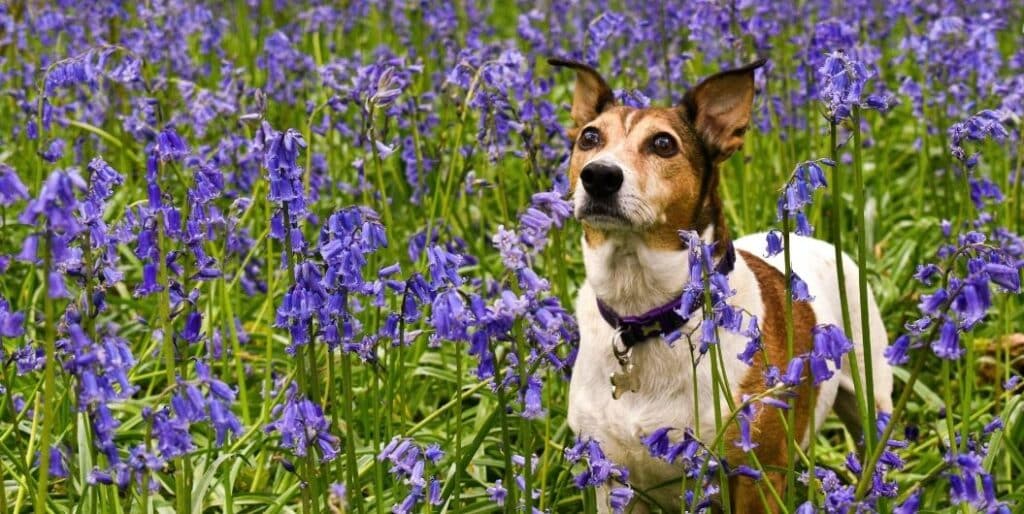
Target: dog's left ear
[591,95]
[719,108]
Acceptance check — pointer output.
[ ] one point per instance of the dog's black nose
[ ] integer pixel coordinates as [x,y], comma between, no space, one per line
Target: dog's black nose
[601,180]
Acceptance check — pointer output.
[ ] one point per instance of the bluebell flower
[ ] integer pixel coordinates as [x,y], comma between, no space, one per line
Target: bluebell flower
[193,324]
[497,493]
[774,402]
[774,242]
[11,187]
[56,204]
[169,146]
[532,407]
[910,506]
[512,254]
[337,496]
[973,301]
[54,151]
[448,315]
[745,471]
[1012,383]
[409,463]
[657,442]
[709,335]
[57,465]
[806,508]
[433,453]
[753,346]
[799,289]
[820,371]
[434,492]
[794,372]
[28,358]
[619,498]
[12,324]
[1007,277]
[744,417]
[948,344]
[599,470]
[926,272]
[838,497]
[171,433]
[853,464]
[897,353]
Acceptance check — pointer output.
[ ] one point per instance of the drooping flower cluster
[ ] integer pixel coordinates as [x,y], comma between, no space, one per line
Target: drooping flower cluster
[965,472]
[959,302]
[599,471]
[698,464]
[798,192]
[330,285]
[56,209]
[986,124]
[303,427]
[843,82]
[101,369]
[280,154]
[707,280]
[548,326]
[408,463]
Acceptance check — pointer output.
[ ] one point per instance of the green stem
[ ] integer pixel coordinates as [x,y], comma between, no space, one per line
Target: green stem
[350,435]
[837,242]
[309,503]
[457,478]
[791,412]
[525,435]
[716,381]
[509,475]
[870,435]
[49,381]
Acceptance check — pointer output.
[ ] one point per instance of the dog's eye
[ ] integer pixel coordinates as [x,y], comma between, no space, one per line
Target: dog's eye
[664,145]
[589,139]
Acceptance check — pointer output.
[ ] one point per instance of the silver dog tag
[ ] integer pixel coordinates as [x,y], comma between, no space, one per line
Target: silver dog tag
[627,379]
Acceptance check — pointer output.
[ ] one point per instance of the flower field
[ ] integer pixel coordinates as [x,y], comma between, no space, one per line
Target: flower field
[270,256]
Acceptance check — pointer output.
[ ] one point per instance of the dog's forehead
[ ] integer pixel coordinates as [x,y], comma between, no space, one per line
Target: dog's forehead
[626,121]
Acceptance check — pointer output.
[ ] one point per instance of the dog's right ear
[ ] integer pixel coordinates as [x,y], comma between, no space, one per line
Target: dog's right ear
[591,95]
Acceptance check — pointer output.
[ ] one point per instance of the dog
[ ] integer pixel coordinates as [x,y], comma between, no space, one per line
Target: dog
[639,176]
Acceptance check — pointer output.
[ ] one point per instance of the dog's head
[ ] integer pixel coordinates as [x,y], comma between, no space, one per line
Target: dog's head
[652,172]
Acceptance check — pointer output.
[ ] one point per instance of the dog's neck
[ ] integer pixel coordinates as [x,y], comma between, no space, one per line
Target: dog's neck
[631,277]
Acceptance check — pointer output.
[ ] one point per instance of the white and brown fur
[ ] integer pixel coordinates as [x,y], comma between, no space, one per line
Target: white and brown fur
[635,261]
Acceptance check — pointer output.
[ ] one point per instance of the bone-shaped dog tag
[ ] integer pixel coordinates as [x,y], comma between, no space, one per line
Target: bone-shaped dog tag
[626,380]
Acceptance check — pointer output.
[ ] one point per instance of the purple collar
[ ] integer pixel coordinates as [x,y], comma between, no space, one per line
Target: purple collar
[659,320]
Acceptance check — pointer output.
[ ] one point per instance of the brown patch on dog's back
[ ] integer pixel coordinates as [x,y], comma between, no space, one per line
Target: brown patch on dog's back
[767,427]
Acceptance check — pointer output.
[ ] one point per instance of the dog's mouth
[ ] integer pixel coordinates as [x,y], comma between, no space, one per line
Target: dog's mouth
[603,215]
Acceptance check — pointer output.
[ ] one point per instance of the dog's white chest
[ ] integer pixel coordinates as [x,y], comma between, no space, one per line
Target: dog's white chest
[672,392]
